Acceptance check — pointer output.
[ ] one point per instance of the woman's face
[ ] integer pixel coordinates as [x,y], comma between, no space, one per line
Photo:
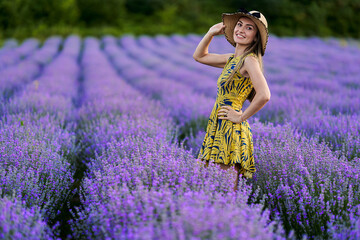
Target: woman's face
[245,31]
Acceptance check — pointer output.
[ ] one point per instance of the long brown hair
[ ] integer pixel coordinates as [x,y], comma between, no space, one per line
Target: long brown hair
[255,48]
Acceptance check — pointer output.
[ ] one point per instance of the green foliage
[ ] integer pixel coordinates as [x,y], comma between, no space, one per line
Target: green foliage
[41,18]
[144,7]
[100,12]
[17,13]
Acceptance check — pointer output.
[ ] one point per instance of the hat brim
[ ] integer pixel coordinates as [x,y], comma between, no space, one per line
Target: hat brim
[230,20]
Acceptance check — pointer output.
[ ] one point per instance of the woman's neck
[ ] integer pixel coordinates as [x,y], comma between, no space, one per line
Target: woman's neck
[239,50]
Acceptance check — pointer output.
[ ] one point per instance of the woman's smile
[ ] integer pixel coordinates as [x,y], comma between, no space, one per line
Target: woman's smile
[240,36]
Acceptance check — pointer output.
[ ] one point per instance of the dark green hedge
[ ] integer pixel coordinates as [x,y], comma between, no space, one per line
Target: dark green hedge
[41,18]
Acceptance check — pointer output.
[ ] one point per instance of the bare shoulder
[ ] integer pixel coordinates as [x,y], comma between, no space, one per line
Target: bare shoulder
[251,61]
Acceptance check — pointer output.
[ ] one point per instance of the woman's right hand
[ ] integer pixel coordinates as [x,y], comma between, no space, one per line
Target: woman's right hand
[217,29]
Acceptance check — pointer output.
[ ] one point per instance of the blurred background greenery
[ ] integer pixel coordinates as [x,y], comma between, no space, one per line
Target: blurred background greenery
[42,18]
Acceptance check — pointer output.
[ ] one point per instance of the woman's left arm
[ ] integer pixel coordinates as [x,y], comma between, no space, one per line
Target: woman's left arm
[261,97]
[260,85]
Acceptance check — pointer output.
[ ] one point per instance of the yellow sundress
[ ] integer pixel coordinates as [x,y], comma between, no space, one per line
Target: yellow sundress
[227,142]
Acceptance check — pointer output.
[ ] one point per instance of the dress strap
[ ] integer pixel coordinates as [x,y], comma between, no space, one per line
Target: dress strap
[251,54]
[233,56]
[229,59]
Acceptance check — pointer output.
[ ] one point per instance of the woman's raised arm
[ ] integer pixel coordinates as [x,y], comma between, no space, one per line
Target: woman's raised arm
[202,54]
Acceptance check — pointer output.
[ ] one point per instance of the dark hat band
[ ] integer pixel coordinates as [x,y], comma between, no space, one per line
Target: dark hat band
[255,14]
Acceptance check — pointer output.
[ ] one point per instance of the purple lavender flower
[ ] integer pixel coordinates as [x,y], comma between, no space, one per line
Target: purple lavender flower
[19,222]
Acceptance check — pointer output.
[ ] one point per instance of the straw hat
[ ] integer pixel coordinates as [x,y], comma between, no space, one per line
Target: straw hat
[230,20]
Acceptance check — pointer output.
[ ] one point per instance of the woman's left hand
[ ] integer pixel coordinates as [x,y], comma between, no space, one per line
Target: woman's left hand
[228,113]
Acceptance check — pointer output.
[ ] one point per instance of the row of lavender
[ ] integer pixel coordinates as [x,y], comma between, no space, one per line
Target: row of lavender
[140,184]
[294,172]
[37,137]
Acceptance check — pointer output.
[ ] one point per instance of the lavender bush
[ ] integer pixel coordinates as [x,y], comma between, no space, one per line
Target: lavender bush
[16,76]
[19,222]
[144,214]
[33,165]
[12,55]
[304,181]
[13,77]
[347,227]
[37,137]
[8,44]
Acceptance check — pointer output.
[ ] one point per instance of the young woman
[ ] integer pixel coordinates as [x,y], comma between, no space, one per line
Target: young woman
[228,139]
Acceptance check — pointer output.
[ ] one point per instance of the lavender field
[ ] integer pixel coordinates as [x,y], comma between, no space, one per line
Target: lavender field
[99,139]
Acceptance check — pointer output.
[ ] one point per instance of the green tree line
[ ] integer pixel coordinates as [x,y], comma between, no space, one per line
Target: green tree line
[41,18]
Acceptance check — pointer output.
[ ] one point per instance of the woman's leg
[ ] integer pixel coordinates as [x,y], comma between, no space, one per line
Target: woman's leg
[203,162]
[237,172]
[226,167]
[237,168]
